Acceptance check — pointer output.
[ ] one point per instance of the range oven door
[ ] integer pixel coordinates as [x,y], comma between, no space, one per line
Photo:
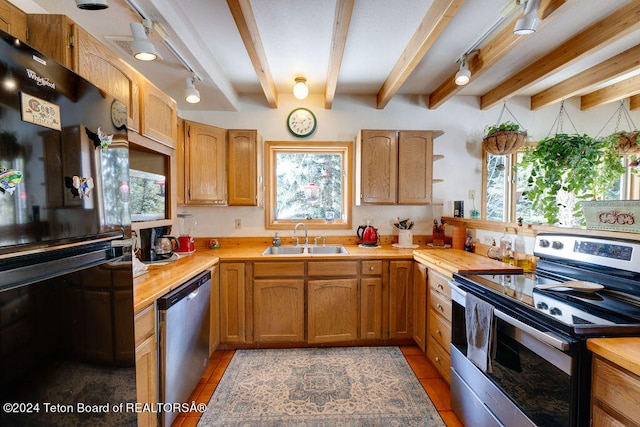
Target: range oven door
[536,376]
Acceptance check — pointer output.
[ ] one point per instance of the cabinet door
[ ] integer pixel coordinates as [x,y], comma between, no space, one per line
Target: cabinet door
[278,310]
[371,308]
[158,114]
[146,383]
[243,176]
[333,310]
[415,167]
[104,69]
[400,299]
[13,20]
[205,164]
[55,36]
[378,163]
[214,329]
[420,305]
[232,302]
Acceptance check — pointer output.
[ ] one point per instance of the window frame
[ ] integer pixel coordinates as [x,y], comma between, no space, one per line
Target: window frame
[272,148]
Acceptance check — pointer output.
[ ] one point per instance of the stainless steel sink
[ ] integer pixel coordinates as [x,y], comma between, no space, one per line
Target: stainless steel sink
[306,250]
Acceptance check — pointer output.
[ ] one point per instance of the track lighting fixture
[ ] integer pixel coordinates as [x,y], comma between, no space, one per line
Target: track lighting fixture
[191,94]
[528,23]
[142,48]
[92,4]
[300,89]
[463,75]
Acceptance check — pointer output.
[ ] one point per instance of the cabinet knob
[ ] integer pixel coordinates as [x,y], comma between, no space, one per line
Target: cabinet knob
[438,332]
[439,306]
[440,286]
[437,359]
[371,268]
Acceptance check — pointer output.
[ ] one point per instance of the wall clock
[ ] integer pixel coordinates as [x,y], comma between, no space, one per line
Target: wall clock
[301,122]
[118,114]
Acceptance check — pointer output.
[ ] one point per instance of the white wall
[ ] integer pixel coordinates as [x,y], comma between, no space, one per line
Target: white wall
[460,118]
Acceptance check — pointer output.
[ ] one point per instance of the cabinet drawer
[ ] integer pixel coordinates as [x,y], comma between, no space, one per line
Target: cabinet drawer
[440,329]
[617,388]
[333,268]
[145,324]
[371,268]
[440,304]
[279,269]
[439,283]
[438,357]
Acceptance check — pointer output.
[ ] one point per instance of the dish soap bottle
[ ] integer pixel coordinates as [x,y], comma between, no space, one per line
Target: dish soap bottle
[506,247]
[519,248]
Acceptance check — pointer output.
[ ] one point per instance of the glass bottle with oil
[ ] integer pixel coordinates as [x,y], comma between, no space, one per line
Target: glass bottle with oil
[519,252]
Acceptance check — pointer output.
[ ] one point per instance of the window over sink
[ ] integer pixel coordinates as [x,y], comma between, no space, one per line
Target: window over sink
[309,183]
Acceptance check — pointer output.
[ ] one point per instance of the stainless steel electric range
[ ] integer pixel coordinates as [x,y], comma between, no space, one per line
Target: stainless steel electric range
[540,368]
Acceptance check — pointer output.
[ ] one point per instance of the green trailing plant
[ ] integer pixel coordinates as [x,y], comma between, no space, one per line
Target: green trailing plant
[578,166]
[504,126]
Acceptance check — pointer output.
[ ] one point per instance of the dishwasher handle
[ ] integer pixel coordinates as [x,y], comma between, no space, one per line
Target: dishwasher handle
[188,290]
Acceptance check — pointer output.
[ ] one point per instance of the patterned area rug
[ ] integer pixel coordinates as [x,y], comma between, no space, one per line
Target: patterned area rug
[343,386]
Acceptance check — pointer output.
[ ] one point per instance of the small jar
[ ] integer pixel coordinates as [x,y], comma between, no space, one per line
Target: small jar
[276,241]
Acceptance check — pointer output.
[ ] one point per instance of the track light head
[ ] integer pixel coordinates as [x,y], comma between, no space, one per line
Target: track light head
[142,48]
[463,76]
[528,23]
[92,4]
[300,89]
[191,94]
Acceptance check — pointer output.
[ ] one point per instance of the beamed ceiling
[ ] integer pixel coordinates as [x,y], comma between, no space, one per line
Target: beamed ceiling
[251,50]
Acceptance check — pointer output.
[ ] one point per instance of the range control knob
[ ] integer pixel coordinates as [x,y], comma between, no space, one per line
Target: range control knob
[557,245]
[555,311]
[542,305]
[544,243]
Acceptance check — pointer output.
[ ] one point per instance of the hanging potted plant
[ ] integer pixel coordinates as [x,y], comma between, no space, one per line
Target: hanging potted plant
[627,143]
[504,137]
[566,168]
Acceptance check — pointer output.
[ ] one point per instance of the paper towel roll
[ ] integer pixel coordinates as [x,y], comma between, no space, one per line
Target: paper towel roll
[458,237]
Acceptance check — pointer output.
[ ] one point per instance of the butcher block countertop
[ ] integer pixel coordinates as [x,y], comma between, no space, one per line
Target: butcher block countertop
[161,279]
[459,261]
[624,352]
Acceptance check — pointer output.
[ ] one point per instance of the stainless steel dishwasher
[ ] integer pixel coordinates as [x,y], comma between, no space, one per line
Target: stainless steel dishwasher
[183,323]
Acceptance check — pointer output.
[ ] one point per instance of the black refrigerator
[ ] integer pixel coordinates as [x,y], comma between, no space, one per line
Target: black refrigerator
[67,347]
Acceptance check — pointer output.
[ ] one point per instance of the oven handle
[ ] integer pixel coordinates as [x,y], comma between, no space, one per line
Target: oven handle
[458,295]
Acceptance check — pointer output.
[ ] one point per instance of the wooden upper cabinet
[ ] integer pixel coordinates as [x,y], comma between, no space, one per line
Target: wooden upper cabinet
[415,167]
[13,20]
[205,173]
[394,167]
[54,35]
[104,69]
[158,114]
[244,168]
[378,162]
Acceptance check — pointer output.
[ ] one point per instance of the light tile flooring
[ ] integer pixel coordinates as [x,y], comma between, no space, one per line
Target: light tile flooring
[434,385]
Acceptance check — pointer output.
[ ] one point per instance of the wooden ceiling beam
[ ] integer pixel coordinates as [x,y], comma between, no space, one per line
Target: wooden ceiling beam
[344,9]
[612,68]
[615,92]
[492,52]
[620,23]
[634,103]
[433,24]
[246,23]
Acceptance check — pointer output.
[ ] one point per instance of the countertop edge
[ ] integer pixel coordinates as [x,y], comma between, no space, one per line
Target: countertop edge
[622,351]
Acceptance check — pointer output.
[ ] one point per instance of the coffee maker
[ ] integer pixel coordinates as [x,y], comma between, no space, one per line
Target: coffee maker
[148,241]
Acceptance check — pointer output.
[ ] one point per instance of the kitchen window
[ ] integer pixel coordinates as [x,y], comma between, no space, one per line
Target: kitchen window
[308,183]
[504,184]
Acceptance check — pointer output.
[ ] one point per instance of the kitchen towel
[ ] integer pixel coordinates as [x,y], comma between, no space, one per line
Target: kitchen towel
[480,332]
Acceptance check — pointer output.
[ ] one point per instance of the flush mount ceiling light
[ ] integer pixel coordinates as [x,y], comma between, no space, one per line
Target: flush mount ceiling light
[191,94]
[300,89]
[528,23]
[463,75]
[142,48]
[92,4]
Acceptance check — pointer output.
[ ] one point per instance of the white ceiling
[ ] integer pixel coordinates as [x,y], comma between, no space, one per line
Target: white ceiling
[297,38]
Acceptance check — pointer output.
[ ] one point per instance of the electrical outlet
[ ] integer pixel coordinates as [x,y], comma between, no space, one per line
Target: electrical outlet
[487,240]
[472,194]
[238,223]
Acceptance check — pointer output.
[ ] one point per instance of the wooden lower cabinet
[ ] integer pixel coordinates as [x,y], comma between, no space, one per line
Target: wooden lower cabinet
[146,364]
[420,305]
[278,310]
[332,310]
[615,393]
[232,302]
[371,308]
[214,329]
[439,322]
[401,299]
